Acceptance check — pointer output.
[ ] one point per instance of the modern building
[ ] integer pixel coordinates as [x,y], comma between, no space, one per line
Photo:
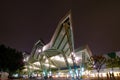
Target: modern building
[59,54]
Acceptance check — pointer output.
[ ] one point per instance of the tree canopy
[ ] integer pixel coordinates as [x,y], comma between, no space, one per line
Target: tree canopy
[10,59]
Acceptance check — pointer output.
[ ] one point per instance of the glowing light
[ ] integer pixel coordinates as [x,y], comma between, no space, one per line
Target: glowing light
[15,75]
[111,71]
[25,59]
[58,58]
[73,54]
[37,63]
[50,73]
[46,61]
[45,47]
[69,60]
[82,69]
[49,65]
[39,50]
[43,73]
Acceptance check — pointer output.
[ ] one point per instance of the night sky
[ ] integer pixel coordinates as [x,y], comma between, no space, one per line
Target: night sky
[95,22]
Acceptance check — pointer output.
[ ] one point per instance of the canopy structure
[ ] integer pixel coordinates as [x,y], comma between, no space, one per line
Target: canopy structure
[59,53]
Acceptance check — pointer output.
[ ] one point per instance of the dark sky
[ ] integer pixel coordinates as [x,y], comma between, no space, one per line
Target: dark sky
[95,22]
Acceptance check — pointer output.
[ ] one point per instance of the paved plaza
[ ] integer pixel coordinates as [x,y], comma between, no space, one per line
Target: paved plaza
[116,78]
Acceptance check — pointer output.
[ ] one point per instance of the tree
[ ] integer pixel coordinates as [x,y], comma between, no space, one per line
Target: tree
[118,60]
[97,62]
[10,59]
[113,60]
